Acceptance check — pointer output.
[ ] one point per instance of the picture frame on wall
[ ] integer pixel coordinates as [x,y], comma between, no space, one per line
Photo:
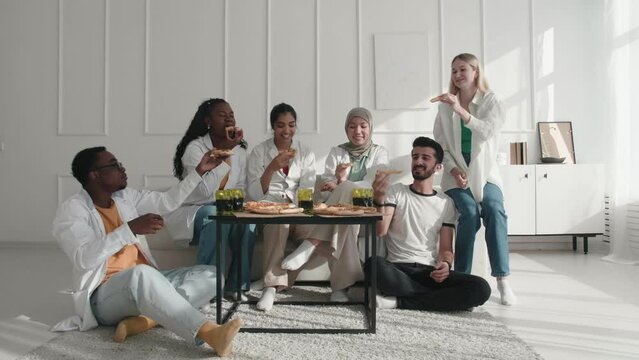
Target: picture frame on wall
[556,142]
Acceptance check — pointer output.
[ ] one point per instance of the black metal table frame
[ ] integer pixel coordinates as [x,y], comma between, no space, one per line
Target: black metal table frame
[368,221]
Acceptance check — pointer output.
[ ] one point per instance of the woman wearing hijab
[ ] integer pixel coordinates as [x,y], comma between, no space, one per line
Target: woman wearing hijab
[353,163]
[348,166]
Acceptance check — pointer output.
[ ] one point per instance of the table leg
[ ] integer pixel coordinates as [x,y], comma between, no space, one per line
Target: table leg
[373,280]
[218,273]
[366,256]
[239,266]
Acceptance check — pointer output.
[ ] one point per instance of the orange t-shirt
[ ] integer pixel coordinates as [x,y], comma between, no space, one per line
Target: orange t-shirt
[129,255]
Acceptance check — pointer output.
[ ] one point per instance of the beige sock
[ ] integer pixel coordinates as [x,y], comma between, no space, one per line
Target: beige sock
[220,337]
[132,326]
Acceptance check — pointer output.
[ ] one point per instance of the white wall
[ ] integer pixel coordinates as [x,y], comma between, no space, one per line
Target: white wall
[129,74]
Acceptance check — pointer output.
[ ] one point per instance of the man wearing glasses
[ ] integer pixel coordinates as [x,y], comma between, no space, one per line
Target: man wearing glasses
[116,279]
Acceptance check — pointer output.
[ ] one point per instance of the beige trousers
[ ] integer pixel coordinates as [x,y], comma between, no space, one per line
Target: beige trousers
[339,247]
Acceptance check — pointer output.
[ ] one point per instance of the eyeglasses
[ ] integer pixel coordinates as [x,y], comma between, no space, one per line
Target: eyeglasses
[118,165]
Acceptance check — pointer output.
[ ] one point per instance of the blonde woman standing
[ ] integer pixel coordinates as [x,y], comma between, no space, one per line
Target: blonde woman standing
[467,126]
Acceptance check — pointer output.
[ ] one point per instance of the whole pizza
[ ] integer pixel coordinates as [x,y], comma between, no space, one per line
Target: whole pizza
[343,210]
[271,208]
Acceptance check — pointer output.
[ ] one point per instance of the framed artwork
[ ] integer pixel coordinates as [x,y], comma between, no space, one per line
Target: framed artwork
[556,142]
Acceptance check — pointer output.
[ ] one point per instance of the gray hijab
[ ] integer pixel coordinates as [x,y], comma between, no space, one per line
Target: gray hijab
[358,151]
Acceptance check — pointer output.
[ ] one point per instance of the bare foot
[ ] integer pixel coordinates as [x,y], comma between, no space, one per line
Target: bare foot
[220,337]
[132,326]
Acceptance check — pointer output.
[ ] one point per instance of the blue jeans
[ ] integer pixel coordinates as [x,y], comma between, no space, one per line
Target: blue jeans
[204,234]
[170,297]
[495,222]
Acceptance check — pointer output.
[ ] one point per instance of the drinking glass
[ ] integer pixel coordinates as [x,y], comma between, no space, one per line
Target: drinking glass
[237,196]
[224,202]
[305,199]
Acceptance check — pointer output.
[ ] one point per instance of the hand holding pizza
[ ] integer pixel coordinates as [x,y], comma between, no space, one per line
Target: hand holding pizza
[341,172]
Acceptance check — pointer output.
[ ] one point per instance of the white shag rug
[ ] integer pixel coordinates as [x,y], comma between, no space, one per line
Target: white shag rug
[401,334]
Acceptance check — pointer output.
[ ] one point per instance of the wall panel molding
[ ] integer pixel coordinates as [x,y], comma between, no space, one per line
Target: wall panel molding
[269,45]
[482,27]
[147,31]
[225,75]
[441,43]
[168,25]
[267,129]
[317,69]
[359,52]
[105,76]
[533,79]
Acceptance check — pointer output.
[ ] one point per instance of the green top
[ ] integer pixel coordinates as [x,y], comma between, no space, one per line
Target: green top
[466,138]
[358,169]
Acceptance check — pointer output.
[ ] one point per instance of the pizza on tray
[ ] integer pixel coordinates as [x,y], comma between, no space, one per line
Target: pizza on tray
[343,210]
[271,208]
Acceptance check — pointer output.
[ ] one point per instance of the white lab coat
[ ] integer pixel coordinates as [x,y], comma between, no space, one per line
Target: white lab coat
[486,122]
[80,232]
[377,158]
[179,223]
[283,188]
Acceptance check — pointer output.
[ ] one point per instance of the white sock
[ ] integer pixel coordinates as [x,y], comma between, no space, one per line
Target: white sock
[298,257]
[507,295]
[339,296]
[386,302]
[266,301]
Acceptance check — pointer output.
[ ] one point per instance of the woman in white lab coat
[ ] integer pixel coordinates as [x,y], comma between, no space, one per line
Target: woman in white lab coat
[348,166]
[213,126]
[277,168]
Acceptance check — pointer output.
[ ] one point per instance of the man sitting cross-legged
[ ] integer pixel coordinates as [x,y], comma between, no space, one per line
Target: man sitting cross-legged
[115,278]
[419,224]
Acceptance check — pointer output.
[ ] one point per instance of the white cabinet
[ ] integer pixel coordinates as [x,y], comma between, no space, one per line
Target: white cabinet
[554,199]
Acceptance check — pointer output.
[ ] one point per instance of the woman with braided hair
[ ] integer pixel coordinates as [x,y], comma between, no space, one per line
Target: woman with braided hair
[213,126]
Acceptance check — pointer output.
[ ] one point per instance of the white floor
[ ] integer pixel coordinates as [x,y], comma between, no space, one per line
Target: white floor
[571,305]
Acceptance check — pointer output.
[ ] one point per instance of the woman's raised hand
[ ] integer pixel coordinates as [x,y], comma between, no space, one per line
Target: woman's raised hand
[341,172]
[282,159]
[449,99]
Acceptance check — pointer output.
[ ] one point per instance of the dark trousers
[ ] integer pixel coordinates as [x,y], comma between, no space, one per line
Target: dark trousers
[412,285]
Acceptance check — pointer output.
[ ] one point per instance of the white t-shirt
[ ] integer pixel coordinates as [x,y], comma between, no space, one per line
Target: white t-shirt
[413,235]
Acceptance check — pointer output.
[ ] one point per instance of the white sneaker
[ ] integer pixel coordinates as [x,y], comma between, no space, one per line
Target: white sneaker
[339,296]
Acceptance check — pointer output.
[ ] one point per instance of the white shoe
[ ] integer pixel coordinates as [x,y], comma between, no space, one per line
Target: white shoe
[339,296]
[266,301]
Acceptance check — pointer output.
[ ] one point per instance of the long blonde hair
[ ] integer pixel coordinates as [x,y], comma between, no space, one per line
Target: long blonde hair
[473,61]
